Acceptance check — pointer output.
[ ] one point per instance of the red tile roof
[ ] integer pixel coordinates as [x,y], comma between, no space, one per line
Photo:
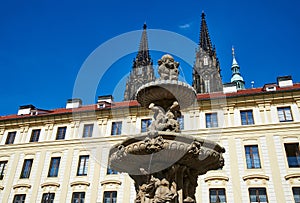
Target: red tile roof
[246,92]
[134,103]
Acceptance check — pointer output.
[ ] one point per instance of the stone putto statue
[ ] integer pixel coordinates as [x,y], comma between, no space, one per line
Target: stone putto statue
[168,68]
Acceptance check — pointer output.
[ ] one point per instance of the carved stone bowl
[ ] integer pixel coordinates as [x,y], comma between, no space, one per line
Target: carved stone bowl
[156,151]
[164,92]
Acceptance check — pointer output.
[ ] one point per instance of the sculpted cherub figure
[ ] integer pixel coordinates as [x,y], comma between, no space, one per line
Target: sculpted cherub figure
[159,122]
[168,68]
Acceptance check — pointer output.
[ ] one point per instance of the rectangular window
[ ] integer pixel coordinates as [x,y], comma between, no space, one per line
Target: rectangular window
[2,169]
[111,171]
[61,133]
[145,124]
[110,197]
[211,120]
[252,156]
[88,130]
[78,197]
[116,128]
[54,166]
[247,117]
[258,195]
[48,197]
[284,114]
[10,138]
[181,122]
[20,198]
[35,134]
[83,165]
[26,168]
[296,194]
[293,154]
[217,195]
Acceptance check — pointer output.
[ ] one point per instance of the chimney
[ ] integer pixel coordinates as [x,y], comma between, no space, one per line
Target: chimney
[285,81]
[104,101]
[229,88]
[73,103]
[26,109]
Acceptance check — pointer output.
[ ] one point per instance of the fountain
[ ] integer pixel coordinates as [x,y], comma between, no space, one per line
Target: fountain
[164,163]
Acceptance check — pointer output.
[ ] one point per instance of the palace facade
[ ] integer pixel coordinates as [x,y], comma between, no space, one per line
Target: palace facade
[61,155]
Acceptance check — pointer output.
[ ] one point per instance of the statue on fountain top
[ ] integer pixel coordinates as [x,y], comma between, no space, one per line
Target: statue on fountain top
[168,68]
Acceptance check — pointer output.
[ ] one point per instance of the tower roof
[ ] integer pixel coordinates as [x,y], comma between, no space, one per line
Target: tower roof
[143,57]
[236,75]
[234,62]
[204,41]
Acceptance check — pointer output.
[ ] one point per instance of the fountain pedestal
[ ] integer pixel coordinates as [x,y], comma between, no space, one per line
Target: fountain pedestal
[163,163]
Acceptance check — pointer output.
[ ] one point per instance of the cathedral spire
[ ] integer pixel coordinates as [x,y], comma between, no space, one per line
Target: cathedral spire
[204,41]
[206,71]
[236,75]
[142,70]
[143,56]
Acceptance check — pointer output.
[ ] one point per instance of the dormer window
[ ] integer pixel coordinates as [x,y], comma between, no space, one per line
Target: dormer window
[101,106]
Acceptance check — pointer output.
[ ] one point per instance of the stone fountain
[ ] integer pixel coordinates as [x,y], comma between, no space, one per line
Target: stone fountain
[164,163]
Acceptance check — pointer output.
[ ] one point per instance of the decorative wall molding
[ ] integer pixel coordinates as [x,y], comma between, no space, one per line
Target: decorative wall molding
[255,176]
[50,184]
[216,177]
[21,185]
[292,176]
[105,182]
[76,183]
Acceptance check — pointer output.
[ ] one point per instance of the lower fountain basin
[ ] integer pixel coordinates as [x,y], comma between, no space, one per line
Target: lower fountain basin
[152,152]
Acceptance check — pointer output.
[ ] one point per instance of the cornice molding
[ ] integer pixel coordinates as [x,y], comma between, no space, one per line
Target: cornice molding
[292,176]
[75,183]
[105,182]
[255,176]
[216,177]
[50,184]
[21,185]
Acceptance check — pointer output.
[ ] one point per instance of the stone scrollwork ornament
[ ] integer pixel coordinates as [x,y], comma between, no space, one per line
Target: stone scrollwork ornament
[154,144]
[195,148]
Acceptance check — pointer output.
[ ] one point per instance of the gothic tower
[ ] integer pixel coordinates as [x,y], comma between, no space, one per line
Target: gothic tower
[236,77]
[206,71]
[142,70]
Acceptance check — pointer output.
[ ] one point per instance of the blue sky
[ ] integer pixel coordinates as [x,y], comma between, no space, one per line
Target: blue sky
[43,44]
